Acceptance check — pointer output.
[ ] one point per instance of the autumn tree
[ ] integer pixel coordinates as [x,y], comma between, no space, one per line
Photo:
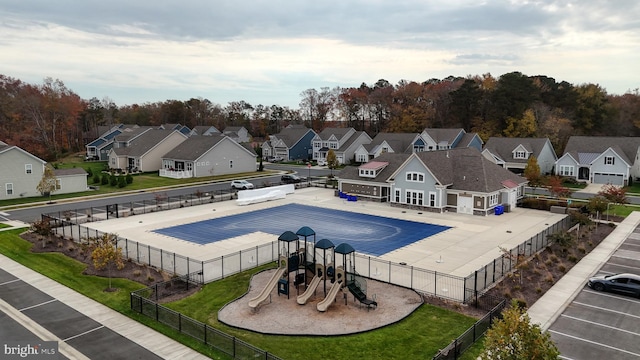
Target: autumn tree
[515,337]
[332,160]
[556,188]
[48,183]
[524,126]
[105,254]
[532,171]
[597,205]
[614,194]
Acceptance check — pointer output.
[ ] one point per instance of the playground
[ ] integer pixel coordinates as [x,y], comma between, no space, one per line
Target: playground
[323,291]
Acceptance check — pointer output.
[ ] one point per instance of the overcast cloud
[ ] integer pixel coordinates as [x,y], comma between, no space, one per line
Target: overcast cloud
[268,52]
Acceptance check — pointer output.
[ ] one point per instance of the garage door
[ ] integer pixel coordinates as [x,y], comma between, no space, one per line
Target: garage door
[614,179]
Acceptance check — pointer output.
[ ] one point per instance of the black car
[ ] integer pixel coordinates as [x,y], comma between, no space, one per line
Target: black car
[628,284]
[290,179]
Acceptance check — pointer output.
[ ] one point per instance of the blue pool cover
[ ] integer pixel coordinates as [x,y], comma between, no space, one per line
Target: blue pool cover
[368,234]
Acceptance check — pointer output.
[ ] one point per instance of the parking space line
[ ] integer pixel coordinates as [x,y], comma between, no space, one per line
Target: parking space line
[611,296]
[625,257]
[594,343]
[606,272]
[84,333]
[607,310]
[37,305]
[39,331]
[625,266]
[565,357]
[9,282]
[602,325]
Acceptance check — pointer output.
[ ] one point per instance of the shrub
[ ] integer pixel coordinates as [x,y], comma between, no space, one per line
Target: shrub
[121,182]
[522,303]
[129,179]
[137,272]
[582,249]
[105,179]
[553,258]
[90,172]
[562,268]
[539,290]
[572,258]
[96,179]
[113,181]
[549,279]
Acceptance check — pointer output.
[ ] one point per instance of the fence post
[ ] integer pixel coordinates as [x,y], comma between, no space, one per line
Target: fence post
[174,263]
[187,265]
[179,322]
[161,263]
[157,315]
[205,333]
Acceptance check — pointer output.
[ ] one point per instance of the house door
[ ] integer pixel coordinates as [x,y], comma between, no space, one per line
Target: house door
[465,204]
[583,173]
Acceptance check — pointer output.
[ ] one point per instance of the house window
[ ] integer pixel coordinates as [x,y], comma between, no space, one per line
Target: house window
[418,148]
[432,199]
[609,160]
[317,144]
[333,145]
[415,177]
[385,150]
[58,184]
[362,158]
[414,197]
[397,197]
[520,155]
[493,200]
[113,162]
[9,188]
[28,168]
[189,166]
[520,191]
[567,170]
[230,164]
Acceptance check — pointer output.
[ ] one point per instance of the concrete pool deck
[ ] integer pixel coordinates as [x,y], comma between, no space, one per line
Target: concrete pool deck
[472,241]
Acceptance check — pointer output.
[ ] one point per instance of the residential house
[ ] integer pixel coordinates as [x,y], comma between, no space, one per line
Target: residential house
[343,141]
[514,153]
[21,172]
[181,128]
[143,153]
[292,143]
[204,130]
[200,156]
[99,148]
[458,180]
[238,133]
[443,139]
[601,159]
[70,180]
[402,143]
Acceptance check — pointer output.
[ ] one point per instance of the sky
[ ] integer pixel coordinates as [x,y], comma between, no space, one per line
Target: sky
[269,52]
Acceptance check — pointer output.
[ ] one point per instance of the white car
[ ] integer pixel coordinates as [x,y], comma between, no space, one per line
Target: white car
[241,185]
[322,162]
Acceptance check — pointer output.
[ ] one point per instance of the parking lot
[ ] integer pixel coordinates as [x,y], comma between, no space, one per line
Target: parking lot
[603,325]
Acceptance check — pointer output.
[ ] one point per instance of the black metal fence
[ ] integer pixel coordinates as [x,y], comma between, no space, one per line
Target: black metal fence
[494,271]
[471,335]
[144,301]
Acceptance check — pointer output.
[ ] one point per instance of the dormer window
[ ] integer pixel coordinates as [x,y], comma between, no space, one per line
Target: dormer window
[371,169]
[520,155]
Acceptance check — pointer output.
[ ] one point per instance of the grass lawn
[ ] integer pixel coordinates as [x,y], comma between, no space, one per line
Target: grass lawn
[621,210]
[418,336]
[140,182]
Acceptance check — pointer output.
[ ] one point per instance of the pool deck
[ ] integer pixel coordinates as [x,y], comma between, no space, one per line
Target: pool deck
[472,241]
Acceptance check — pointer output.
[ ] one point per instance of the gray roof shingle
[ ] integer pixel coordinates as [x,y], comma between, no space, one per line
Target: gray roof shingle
[626,147]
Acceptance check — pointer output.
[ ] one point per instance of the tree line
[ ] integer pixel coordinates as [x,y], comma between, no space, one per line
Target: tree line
[50,120]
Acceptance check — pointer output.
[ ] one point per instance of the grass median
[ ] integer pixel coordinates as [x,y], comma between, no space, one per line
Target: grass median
[420,335]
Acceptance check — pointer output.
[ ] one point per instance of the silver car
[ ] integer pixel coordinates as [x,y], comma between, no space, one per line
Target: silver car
[241,185]
[628,284]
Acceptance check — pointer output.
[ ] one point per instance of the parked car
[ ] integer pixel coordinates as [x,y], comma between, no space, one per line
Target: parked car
[628,284]
[241,185]
[274,159]
[322,162]
[290,179]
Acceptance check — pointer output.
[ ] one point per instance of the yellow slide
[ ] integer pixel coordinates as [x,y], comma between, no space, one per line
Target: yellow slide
[302,299]
[331,296]
[253,303]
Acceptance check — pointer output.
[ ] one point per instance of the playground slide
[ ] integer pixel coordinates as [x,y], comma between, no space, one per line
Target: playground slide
[253,303]
[302,299]
[331,296]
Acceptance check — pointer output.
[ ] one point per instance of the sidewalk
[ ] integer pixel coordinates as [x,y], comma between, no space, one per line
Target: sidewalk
[149,339]
[546,310]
